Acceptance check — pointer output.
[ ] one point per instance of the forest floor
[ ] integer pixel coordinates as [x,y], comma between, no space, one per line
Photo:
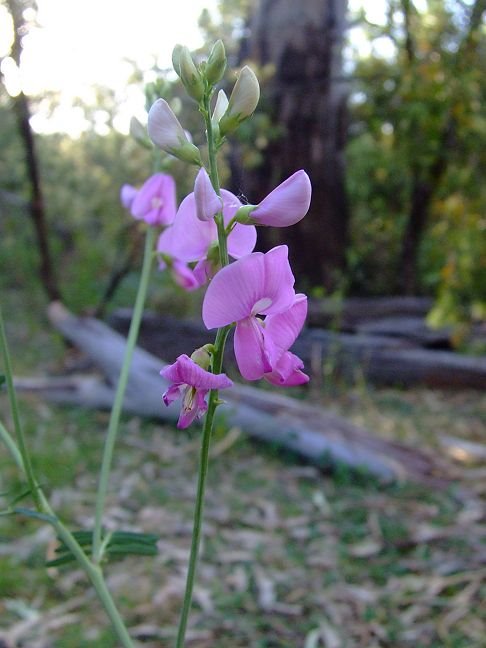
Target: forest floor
[292,557]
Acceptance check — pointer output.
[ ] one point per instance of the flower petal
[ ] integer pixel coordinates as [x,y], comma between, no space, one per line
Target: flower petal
[127,195]
[287,204]
[250,351]
[279,281]
[283,328]
[234,290]
[155,201]
[186,371]
[287,372]
[190,237]
[208,203]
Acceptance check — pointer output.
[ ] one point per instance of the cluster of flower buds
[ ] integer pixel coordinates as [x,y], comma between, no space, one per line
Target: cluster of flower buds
[255,292]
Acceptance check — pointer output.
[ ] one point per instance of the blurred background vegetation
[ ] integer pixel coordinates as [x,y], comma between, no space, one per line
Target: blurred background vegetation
[388,119]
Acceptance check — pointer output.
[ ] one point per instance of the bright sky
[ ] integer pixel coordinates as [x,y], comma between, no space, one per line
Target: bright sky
[84,42]
[81,43]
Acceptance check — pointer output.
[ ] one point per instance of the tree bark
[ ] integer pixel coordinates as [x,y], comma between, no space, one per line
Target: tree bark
[306,97]
[36,203]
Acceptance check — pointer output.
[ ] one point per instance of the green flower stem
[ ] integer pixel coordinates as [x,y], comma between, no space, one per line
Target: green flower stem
[92,571]
[95,576]
[120,394]
[214,176]
[213,402]
[11,446]
[19,433]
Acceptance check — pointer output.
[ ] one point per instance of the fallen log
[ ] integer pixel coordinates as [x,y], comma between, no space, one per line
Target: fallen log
[347,314]
[309,430]
[380,359]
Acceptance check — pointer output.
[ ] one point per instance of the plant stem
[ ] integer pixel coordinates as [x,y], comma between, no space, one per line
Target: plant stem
[213,174]
[11,446]
[95,575]
[19,433]
[201,487]
[120,394]
[92,571]
[213,400]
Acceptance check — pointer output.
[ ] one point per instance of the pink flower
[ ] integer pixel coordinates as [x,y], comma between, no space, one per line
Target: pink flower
[286,205]
[259,284]
[154,202]
[192,382]
[192,240]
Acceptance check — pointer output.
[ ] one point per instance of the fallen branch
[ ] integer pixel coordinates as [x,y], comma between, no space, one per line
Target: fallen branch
[308,430]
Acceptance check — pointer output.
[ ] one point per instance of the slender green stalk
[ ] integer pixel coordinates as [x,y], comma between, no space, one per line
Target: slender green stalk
[11,446]
[201,489]
[120,394]
[19,433]
[213,400]
[94,574]
[92,571]
[214,175]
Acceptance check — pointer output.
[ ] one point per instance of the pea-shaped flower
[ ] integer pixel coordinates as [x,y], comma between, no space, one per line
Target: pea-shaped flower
[257,292]
[154,202]
[192,382]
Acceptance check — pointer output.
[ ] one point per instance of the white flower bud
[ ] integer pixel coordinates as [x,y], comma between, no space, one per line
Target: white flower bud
[216,63]
[166,132]
[190,75]
[242,102]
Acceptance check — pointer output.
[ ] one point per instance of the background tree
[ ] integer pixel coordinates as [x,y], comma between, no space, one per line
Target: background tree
[305,100]
[22,113]
[415,154]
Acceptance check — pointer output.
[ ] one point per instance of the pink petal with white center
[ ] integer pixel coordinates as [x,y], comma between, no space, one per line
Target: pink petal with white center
[208,203]
[250,352]
[283,328]
[234,290]
[155,201]
[256,283]
[287,372]
[127,195]
[287,204]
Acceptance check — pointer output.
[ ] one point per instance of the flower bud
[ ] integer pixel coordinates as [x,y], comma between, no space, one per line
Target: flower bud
[242,102]
[166,132]
[190,75]
[216,63]
[201,357]
[208,203]
[220,107]
[139,132]
[176,56]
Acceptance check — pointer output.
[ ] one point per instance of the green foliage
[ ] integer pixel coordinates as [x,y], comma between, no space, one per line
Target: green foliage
[418,116]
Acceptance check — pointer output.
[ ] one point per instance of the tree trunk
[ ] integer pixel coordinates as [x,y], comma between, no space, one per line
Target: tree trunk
[36,204]
[306,98]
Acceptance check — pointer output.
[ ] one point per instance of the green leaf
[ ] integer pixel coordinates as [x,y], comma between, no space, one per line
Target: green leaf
[134,548]
[35,514]
[2,379]
[61,560]
[120,543]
